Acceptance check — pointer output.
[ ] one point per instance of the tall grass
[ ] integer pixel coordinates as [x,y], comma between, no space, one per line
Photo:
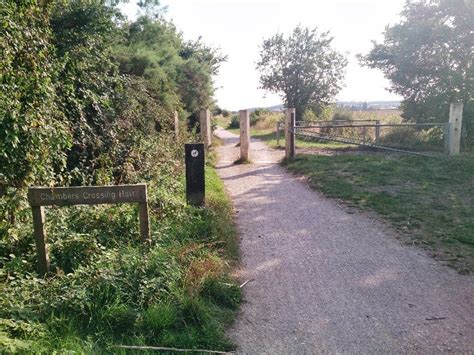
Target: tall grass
[107,289]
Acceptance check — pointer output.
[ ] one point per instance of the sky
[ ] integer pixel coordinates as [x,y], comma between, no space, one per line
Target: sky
[239,27]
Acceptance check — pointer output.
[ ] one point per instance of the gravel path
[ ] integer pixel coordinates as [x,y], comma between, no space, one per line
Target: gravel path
[330,281]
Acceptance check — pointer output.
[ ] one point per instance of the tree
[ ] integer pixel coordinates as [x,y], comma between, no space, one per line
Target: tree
[83,92]
[179,73]
[428,58]
[195,76]
[303,68]
[88,83]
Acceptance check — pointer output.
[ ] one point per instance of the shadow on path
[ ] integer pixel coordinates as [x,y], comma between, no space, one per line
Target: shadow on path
[329,281]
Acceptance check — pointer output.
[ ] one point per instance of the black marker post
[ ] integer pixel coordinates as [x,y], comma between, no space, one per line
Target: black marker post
[195,185]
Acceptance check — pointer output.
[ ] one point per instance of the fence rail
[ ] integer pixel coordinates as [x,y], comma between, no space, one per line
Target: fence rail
[371,134]
[375,125]
[340,139]
[383,136]
[304,123]
[425,142]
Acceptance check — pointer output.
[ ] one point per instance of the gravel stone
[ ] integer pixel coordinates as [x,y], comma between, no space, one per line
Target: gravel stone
[329,281]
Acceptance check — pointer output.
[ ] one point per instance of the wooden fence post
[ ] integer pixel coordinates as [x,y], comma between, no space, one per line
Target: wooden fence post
[278,134]
[244,135]
[40,238]
[455,128]
[377,132]
[144,218]
[205,120]
[290,132]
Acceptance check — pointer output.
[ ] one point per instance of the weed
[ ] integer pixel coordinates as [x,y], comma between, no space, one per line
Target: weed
[107,289]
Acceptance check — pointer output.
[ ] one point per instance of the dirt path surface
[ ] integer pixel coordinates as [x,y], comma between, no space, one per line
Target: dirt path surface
[327,281]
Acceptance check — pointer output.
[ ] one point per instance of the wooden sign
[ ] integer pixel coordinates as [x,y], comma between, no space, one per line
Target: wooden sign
[83,195]
[86,195]
[195,183]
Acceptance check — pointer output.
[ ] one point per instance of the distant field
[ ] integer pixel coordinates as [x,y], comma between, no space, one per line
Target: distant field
[382,115]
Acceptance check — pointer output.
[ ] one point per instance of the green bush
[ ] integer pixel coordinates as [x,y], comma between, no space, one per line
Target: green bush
[108,289]
[400,137]
[34,138]
[234,122]
[88,99]
[258,115]
[413,138]
[433,136]
[342,115]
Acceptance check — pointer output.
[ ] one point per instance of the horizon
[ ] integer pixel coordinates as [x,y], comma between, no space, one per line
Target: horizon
[371,103]
[237,83]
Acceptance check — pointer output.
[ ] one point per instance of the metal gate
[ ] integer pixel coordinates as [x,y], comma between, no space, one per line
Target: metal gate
[425,139]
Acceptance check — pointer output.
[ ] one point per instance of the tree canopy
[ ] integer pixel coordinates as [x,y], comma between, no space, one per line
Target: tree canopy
[83,90]
[428,57]
[302,67]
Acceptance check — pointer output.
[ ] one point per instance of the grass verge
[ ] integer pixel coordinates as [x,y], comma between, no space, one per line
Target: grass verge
[106,289]
[430,200]
[218,201]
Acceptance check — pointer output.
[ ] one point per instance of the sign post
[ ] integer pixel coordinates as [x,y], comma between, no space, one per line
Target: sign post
[40,239]
[195,177]
[82,195]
